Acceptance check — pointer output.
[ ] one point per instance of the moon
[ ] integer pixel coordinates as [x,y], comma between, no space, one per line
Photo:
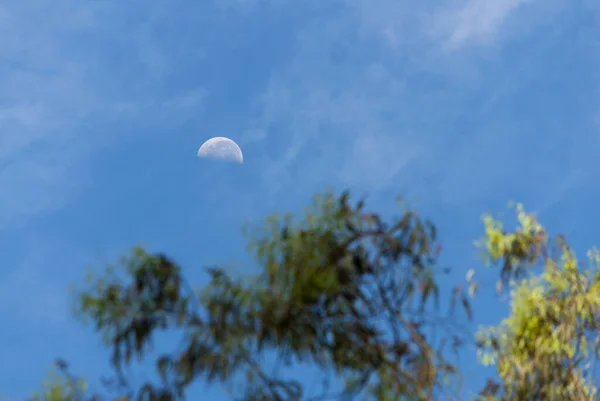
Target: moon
[221,148]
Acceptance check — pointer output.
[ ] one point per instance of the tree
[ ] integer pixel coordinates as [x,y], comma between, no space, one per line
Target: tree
[341,290]
[356,298]
[546,349]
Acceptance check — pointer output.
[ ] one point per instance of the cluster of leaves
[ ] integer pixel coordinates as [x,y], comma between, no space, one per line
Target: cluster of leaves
[341,290]
[546,348]
[61,386]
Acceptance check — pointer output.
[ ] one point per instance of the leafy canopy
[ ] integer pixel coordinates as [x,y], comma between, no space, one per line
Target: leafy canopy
[341,290]
[547,347]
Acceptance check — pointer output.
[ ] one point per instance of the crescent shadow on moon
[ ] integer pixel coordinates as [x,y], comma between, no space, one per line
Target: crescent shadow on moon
[221,148]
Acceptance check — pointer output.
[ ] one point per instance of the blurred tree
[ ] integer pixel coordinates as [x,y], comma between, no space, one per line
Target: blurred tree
[547,347]
[342,290]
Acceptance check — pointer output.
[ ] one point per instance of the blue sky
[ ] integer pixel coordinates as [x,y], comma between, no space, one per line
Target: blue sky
[461,105]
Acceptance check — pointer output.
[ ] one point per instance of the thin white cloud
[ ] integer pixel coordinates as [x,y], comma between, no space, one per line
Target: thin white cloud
[63,91]
[472,21]
[335,107]
[338,105]
[368,103]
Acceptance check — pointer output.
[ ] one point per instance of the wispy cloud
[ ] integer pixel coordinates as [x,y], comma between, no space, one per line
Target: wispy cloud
[65,78]
[381,94]
[335,105]
[472,21]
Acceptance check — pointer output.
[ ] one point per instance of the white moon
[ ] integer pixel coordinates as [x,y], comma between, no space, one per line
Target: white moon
[221,148]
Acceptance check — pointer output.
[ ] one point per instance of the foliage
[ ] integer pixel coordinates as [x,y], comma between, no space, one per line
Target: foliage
[341,290]
[546,348]
[60,387]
